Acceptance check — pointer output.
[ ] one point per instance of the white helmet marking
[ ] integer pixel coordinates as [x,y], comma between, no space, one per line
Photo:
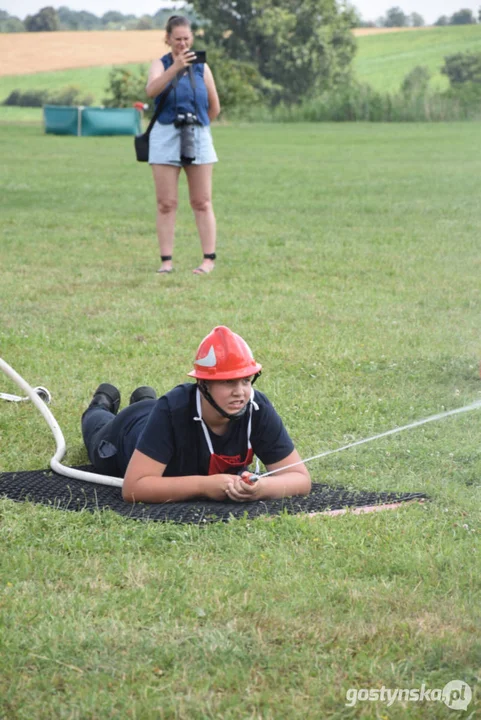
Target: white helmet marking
[209,360]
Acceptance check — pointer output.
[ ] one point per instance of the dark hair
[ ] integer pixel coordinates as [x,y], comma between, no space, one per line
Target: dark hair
[176,21]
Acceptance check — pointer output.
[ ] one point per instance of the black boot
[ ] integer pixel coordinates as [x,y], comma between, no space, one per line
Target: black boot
[143,393]
[106,396]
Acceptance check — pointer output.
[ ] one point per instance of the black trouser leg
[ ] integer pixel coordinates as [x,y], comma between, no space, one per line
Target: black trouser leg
[100,439]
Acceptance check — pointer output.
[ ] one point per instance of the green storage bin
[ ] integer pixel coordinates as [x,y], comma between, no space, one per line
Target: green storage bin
[110,121]
[61,119]
[90,121]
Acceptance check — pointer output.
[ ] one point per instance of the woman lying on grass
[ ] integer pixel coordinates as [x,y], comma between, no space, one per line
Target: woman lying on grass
[198,439]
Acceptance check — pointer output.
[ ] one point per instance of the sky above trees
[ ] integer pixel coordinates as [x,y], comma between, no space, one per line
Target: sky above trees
[430,10]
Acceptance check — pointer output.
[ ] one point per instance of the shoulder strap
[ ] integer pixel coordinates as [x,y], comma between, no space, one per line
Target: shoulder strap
[158,109]
[192,85]
[175,82]
[191,77]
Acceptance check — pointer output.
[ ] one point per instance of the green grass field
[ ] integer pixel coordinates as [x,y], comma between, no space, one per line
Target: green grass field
[92,81]
[348,257]
[383,61]
[89,80]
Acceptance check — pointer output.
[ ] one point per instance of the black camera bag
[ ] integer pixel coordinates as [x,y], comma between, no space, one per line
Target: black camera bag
[141,142]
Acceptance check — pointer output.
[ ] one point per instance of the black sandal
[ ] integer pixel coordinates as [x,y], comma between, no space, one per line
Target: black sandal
[165,258]
[200,270]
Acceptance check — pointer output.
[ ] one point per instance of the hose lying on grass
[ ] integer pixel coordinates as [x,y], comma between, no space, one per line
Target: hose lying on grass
[56,465]
[55,462]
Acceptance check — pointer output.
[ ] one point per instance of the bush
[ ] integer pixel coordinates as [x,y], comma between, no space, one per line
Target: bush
[69,96]
[239,84]
[360,102]
[467,96]
[39,98]
[416,82]
[27,98]
[462,68]
[354,101]
[126,86]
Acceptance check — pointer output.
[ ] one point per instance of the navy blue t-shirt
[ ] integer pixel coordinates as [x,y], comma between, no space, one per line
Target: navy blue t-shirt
[165,430]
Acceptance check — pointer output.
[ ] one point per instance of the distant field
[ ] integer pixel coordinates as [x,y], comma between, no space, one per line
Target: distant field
[384,60]
[24,53]
[84,59]
[91,80]
[361,32]
[51,61]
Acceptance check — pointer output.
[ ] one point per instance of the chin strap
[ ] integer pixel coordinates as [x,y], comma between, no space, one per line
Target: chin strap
[252,405]
[202,386]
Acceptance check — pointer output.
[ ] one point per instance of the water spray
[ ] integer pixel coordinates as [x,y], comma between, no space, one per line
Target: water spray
[432,418]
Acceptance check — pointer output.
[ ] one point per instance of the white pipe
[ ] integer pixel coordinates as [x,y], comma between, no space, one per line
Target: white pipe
[55,462]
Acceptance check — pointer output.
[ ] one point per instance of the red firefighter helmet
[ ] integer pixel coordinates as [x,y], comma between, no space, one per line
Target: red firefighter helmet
[224,355]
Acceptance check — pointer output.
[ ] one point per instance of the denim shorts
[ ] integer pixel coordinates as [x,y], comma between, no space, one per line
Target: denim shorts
[164,145]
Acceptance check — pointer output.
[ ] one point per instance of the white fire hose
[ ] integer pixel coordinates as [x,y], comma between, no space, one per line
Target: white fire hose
[55,462]
[36,394]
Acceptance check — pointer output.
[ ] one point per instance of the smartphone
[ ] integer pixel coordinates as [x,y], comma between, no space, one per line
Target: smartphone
[201,57]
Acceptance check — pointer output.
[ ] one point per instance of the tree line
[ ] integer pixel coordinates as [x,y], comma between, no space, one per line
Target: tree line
[461,17]
[395,17]
[49,19]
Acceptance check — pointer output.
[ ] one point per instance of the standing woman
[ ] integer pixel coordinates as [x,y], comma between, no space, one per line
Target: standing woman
[193,91]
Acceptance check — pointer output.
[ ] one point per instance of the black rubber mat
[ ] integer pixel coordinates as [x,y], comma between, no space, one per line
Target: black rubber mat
[56,491]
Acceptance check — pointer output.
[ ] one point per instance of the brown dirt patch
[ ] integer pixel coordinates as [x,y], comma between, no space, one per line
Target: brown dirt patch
[358,32]
[24,53]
